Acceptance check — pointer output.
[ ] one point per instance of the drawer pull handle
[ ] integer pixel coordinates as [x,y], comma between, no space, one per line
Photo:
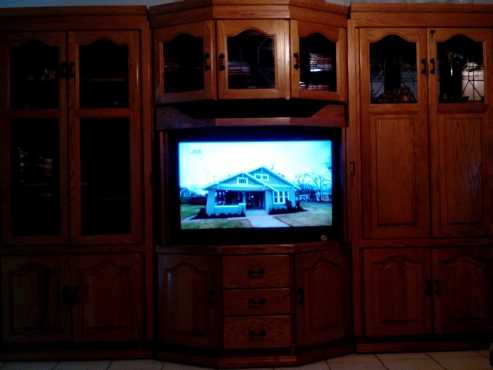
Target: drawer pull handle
[256,302]
[256,273]
[257,334]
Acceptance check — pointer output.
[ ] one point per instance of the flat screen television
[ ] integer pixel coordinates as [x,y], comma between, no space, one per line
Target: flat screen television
[253,185]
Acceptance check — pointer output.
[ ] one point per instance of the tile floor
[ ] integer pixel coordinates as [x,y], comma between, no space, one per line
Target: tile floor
[464,360]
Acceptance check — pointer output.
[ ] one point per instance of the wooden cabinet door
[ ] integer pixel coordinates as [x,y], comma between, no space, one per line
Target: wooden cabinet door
[189,300]
[460,99]
[33,310]
[108,299]
[185,62]
[252,59]
[396,292]
[105,140]
[33,138]
[323,284]
[463,283]
[394,133]
[318,61]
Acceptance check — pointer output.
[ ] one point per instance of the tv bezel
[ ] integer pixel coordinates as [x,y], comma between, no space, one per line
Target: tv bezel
[171,218]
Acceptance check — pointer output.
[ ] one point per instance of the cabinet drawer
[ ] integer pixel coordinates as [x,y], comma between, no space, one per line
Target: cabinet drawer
[257,302]
[256,271]
[261,332]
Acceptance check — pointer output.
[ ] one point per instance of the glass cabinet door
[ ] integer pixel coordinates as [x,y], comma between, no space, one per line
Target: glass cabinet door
[105,136]
[318,61]
[252,57]
[460,119]
[394,133]
[32,131]
[185,62]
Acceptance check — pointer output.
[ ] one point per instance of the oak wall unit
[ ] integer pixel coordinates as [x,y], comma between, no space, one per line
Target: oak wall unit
[75,163]
[420,179]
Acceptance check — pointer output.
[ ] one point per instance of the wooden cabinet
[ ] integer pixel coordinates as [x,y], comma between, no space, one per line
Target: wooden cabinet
[91,298]
[394,134]
[322,297]
[34,308]
[108,293]
[463,282]
[318,61]
[252,58]
[81,93]
[261,52]
[189,299]
[185,58]
[460,91]
[396,292]
[252,305]
[419,292]
[424,88]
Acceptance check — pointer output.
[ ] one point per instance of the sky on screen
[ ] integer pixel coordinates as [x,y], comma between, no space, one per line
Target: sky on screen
[203,163]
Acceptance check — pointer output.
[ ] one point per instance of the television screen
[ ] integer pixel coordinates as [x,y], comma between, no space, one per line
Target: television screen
[256,183]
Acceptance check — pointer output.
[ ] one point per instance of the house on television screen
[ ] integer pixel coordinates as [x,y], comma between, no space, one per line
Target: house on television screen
[260,189]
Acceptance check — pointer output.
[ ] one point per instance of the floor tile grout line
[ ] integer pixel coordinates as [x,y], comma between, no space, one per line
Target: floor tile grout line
[381,361]
[435,360]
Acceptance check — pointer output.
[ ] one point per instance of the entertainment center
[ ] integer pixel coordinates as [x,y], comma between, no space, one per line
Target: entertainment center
[254,183]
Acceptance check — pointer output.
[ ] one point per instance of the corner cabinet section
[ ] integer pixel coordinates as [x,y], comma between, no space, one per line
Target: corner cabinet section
[230,50]
[189,295]
[323,309]
[90,298]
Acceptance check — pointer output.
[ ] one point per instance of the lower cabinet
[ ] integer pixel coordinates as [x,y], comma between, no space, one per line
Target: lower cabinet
[189,300]
[419,291]
[256,308]
[33,308]
[94,298]
[322,297]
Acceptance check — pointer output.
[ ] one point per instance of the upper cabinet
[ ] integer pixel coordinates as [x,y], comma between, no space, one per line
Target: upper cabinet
[236,51]
[424,122]
[71,136]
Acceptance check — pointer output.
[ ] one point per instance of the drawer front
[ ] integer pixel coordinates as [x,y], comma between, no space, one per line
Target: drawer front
[257,302]
[261,332]
[256,271]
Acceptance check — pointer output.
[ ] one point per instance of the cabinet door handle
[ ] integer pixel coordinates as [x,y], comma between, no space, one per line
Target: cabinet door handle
[256,302]
[432,66]
[212,297]
[300,293]
[296,57]
[256,273]
[425,66]
[207,64]
[222,66]
[352,168]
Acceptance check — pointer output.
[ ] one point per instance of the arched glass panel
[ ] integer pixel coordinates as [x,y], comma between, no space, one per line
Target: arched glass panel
[183,64]
[103,75]
[251,61]
[393,77]
[460,70]
[318,63]
[34,75]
